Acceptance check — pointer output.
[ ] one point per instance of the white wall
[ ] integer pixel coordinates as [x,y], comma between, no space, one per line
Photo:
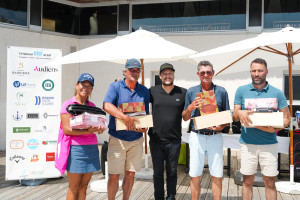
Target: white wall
[105,72]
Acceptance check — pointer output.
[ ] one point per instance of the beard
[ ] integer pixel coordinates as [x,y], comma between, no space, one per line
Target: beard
[167,84]
[259,82]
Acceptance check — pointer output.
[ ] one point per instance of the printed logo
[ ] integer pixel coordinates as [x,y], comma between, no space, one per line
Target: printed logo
[38,53]
[46,115]
[45,100]
[44,128]
[20,98]
[37,100]
[36,172]
[32,116]
[20,71]
[16,158]
[50,156]
[17,117]
[18,84]
[34,158]
[16,144]
[32,144]
[21,129]
[27,173]
[48,85]
[46,142]
[88,76]
[19,95]
[45,69]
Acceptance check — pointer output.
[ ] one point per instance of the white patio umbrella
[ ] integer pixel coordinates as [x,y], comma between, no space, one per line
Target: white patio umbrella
[236,58]
[141,44]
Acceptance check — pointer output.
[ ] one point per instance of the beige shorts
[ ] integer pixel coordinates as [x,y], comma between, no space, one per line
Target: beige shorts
[123,155]
[265,155]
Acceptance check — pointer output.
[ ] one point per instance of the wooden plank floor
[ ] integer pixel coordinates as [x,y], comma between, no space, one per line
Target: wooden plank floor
[142,189]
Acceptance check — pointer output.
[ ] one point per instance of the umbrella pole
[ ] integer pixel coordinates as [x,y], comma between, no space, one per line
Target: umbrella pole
[144,173]
[143,83]
[289,48]
[143,77]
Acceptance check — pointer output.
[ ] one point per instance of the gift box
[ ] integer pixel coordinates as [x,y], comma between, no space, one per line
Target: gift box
[261,104]
[132,107]
[87,120]
[274,119]
[213,119]
[208,102]
[145,121]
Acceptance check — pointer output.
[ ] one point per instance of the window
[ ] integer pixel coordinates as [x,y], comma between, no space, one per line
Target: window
[79,21]
[280,13]
[124,17]
[13,12]
[296,91]
[60,18]
[155,80]
[98,20]
[190,16]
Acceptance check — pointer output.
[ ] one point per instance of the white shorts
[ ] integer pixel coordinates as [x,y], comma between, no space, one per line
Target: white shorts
[265,155]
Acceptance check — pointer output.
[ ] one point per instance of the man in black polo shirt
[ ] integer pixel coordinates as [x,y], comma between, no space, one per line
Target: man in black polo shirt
[165,137]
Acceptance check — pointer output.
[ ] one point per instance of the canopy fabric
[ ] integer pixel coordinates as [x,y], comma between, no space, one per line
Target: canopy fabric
[225,55]
[140,44]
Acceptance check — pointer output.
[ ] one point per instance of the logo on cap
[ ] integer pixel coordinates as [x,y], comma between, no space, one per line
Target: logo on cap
[88,76]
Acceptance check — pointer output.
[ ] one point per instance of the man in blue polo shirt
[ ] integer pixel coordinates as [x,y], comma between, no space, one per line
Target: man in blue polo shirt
[125,148]
[205,142]
[258,144]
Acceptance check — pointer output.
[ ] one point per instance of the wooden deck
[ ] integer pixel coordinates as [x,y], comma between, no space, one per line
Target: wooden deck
[142,189]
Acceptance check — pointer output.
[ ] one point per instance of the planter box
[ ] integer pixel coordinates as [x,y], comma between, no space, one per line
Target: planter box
[274,119]
[145,121]
[213,119]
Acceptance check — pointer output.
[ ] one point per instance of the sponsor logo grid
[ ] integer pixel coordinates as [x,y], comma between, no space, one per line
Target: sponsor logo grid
[32,91]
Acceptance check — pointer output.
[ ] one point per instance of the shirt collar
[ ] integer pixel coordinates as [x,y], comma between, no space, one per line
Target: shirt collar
[265,89]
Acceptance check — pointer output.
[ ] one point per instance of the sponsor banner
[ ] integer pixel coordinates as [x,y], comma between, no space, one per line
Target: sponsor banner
[33,106]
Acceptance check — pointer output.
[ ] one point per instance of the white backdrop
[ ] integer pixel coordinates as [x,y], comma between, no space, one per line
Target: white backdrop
[32,116]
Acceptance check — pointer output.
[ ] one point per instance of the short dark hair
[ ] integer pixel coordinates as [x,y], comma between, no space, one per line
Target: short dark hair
[260,61]
[205,63]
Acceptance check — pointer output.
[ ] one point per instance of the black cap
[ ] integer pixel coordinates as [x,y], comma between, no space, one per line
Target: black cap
[166,66]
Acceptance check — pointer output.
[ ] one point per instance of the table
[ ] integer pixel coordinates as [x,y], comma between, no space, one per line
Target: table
[231,141]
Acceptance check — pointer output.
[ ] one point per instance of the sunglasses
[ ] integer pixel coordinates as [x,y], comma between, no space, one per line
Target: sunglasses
[209,73]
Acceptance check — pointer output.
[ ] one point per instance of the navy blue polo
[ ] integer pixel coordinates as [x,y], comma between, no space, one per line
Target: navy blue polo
[221,97]
[118,93]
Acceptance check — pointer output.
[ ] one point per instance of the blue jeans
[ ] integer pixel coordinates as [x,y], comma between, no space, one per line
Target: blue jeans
[168,152]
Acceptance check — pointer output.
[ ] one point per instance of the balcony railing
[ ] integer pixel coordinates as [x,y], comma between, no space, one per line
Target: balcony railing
[188,27]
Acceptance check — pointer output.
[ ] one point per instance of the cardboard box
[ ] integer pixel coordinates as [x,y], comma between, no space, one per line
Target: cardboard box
[213,119]
[87,120]
[274,119]
[145,121]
